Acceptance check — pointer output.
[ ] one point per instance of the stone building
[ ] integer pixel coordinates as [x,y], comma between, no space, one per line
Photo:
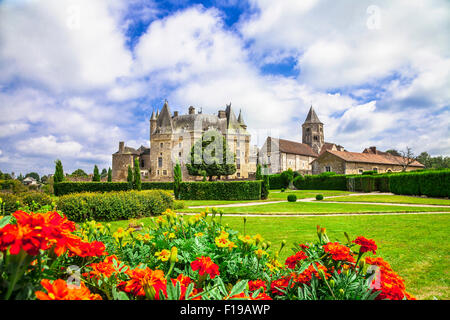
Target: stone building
[344,162]
[171,139]
[281,154]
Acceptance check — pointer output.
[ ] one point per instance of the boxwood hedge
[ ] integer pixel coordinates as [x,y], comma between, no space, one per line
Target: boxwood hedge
[68,187]
[321,182]
[116,205]
[221,190]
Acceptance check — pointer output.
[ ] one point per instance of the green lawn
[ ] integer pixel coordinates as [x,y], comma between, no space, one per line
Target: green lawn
[392,199]
[416,246]
[318,208]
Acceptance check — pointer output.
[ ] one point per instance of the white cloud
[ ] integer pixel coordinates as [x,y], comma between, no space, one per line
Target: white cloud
[62,44]
[49,145]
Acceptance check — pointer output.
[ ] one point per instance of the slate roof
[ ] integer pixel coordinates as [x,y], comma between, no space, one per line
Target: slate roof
[293,147]
[312,117]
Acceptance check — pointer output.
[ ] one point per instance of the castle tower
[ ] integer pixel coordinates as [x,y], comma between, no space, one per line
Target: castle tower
[312,131]
[152,123]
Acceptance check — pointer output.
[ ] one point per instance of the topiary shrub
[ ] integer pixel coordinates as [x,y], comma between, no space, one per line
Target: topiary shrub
[319,197]
[221,190]
[292,198]
[283,189]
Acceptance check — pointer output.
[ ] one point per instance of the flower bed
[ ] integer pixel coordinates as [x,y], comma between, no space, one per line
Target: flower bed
[181,257]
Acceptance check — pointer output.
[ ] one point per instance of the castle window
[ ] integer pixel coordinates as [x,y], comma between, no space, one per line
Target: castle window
[160,162]
[328,169]
[361,171]
[307,129]
[161,145]
[179,154]
[238,175]
[142,163]
[164,172]
[316,138]
[375,169]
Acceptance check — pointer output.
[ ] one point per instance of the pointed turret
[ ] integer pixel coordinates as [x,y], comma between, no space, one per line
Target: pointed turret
[152,123]
[232,123]
[312,117]
[241,120]
[164,121]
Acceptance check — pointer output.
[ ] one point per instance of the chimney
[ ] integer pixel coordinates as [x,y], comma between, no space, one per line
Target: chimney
[121,147]
[222,114]
[373,149]
[175,113]
[191,110]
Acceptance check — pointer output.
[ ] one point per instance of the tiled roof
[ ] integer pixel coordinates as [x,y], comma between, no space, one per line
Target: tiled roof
[384,158]
[295,148]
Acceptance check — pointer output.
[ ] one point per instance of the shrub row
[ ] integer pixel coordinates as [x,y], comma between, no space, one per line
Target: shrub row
[221,190]
[321,182]
[68,187]
[276,181]
[429,183]
[11,202]
[116,205]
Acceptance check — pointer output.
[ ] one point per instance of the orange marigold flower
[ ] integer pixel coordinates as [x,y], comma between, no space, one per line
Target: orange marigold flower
[141,278]
[59,290]
[291,262]
[254,285]
[339,252]
[105,268]
[205,265]
[366,244]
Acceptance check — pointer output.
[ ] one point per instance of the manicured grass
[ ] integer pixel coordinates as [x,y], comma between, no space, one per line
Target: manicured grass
[416,246]
[318,208]
[303,194]
[392,199]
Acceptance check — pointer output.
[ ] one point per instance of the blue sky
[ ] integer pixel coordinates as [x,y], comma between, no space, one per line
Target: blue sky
[77,77]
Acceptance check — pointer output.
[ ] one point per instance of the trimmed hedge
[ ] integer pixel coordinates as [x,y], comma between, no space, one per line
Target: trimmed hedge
[406,183]
[221,190]
[9,203]
[276,181]
[433,183]
[291,198]
[114,205]
[321,182]
[68,187]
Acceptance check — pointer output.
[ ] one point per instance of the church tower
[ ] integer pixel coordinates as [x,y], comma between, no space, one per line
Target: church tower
[312,130]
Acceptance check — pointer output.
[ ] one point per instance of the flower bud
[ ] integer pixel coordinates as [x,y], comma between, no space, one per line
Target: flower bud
[322,274]
[332,283]
[341,291]
[174,255]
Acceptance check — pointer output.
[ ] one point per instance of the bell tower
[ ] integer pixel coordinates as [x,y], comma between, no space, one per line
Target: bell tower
[312,131]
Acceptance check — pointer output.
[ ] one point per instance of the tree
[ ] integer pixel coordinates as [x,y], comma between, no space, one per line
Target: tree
[394,152]
[130,177]
[265,184]
[96,176]
[137,176]
[258,175]
[33,175]
[104,173]
[212,155]
[287,177]
[407,158]
[109,175]
[177,178]
[79,173]
[20,177]
[59,172]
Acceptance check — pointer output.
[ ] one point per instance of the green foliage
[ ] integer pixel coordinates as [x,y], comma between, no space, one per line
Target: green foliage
[275,181]
[220,190]
[109,175]
[221,164]
[34,175]
[258,175]
[370,172]
[283,190]
[319,197]
[96,176]
[68,187]
[265,186]
[292,197]
[130,177]
[10,203]
[137,184]
[114,205]
[14,186]
[59,172]
[325,181]
[38,198]
[430,162]
[287,177]
[177,178]
[79,173]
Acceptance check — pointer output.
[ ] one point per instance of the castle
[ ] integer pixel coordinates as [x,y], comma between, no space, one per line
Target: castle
[172,136]
[171,139]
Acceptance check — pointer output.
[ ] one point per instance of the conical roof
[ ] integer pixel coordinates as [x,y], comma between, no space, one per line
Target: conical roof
[232,123]
[164,121]
[153,117]
[312,117]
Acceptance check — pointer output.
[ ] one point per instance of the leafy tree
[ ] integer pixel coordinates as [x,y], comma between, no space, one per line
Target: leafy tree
[265,185]
[96,176]
[5,176]
[59,172]
[130,177]
[211,154]
[33,175]
[109,175]
[44,179]
[177,178]
[104,173]
[20,177]
[287,177]
[394,152]
[137,184]
[258,175]
[79,173]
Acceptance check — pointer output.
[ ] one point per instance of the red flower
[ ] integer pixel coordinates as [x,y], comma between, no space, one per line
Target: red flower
[205,265]
[254,285]
[366,245]
[291,262]
[144,278]
[104,269]
[59,290]
[338,252]
[184,282]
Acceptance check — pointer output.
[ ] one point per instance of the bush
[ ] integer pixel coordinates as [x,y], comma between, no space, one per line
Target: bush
[114,205]
[405,183]
[283,189]
[10,203]
[14,186]
[68,187]
[370,172]
[220,190]
[39,198]
[435,183]
[275,181]
[292,197]
[321,182]
[382,183]
[319,197]
[287,177]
